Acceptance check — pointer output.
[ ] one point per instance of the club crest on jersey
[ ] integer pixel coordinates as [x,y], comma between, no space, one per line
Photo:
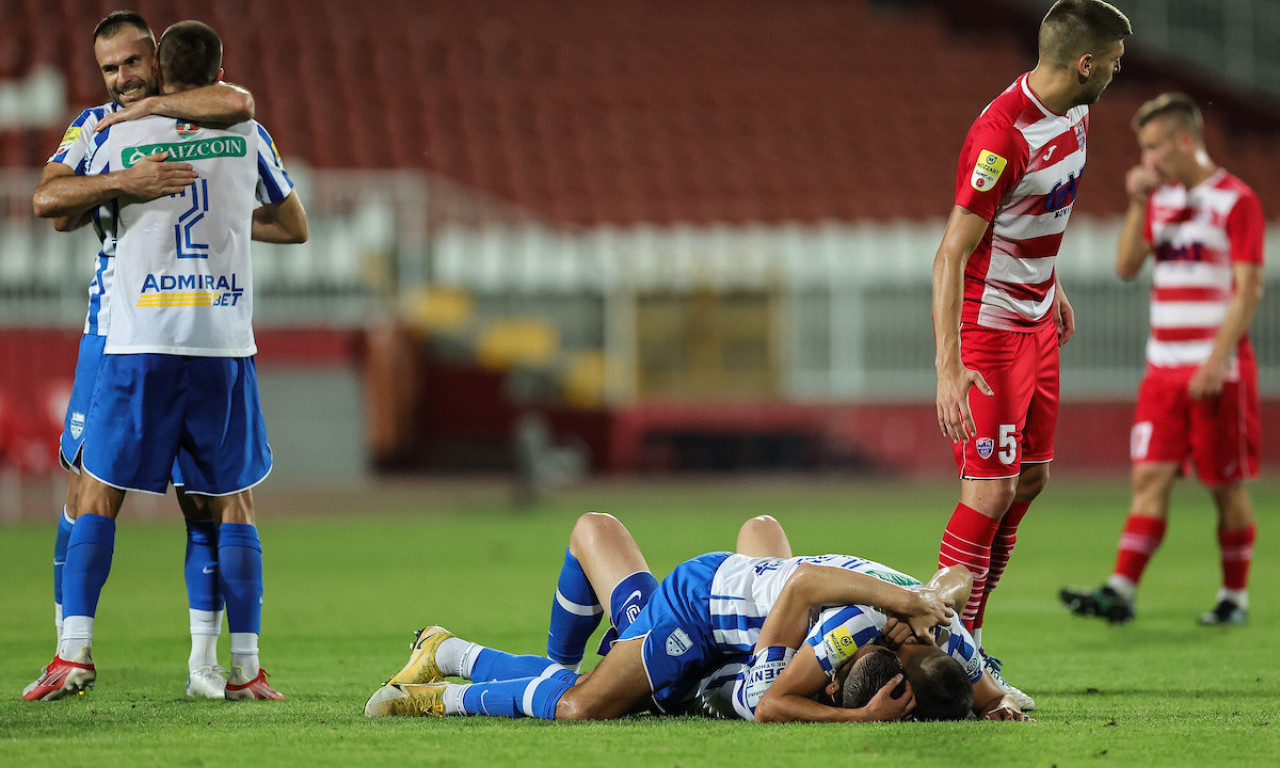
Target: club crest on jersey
[985,447]
[186,129]
[987,170]
[77,425]
[678,643]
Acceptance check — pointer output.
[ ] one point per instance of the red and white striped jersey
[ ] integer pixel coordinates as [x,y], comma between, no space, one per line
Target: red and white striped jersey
[1197,236]
[1020,168]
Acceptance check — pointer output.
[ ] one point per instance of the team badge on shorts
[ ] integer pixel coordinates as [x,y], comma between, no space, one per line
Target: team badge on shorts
[985,446]
[77,425]
[678,642]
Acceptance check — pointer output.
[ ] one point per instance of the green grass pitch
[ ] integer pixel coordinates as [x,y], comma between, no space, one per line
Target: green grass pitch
[350,575]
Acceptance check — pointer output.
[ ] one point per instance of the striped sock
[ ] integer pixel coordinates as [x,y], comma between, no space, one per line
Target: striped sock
[1237,555]
[1139,540]
[1001,550]
[527,697]
[967,541]
[575,614]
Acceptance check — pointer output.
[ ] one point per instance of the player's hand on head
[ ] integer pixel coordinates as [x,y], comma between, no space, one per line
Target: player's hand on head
[884,706]
[153,177]
[896,634]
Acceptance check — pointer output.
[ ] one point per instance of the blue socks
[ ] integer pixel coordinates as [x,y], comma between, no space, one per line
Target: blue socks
[201,566]
[60,553]
[575,614]
[625,602]
[240,569]
[529,697]
[491,665]
[90,547]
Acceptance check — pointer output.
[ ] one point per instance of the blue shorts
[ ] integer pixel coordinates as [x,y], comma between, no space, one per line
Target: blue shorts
[149,410]
[87,361]
[678,646]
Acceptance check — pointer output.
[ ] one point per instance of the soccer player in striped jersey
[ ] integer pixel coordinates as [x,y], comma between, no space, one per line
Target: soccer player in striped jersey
[694,633]
[177,381]
[1198,402]
[125,49]
[999,311]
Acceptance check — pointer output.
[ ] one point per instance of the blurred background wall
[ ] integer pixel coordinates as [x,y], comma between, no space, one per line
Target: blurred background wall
[569,236]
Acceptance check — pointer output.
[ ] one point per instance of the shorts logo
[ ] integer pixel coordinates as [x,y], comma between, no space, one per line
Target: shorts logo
[985,447]
[987,170]
[678,643]
[77,425]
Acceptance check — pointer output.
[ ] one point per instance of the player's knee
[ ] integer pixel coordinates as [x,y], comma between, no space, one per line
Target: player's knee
[1031,483]
[592,526]
[576,706]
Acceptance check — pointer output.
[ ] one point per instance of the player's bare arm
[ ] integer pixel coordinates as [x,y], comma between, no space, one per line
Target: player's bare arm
[282,222]
[217,104]
[1064,317]
[1208,379]
[964,232]
[816,586]
[62,194]
[1133,249]
[788,699]
[991,703]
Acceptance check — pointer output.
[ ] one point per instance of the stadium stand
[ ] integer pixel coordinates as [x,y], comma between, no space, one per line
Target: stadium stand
[588,116]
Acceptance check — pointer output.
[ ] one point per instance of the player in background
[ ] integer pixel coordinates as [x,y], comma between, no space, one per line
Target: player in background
[177,380]
[684,665]
[999,311]
[124,48]
[1198,402]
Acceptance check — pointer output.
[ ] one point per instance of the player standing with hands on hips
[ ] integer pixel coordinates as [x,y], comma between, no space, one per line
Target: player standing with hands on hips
[999,312]
[1198,401]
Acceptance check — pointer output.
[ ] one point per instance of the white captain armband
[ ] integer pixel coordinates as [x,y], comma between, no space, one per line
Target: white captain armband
[763,670]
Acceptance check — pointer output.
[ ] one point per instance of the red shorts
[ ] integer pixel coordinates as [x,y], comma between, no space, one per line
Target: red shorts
[1015,425]
[1220,438]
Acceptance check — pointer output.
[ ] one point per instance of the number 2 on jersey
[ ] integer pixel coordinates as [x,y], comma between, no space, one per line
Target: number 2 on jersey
[184,232]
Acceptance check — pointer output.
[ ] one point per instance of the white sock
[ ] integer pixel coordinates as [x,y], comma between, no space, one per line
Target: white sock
[244,653]
[57,622]
[452,698]
[1238,596]
[206,626]
[977,636]
[1123,587]
[77,635]
[455,657]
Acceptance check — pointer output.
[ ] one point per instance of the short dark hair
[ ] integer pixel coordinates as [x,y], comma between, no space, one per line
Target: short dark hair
[868,676]
[118,20]
[1073,28]
[1178,107]
[941,686]
[190,53]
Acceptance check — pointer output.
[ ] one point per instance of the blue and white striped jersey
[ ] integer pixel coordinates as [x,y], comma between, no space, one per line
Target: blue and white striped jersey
[77,148]
[184,280]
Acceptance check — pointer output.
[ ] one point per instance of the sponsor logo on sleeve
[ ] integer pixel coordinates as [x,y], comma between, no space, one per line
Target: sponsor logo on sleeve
[840,645]
[987,170]
[69,138]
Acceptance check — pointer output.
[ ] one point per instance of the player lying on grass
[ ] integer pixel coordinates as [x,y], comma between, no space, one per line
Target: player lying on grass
[690,645]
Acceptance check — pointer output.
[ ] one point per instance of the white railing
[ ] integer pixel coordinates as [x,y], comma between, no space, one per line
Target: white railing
[853,307]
